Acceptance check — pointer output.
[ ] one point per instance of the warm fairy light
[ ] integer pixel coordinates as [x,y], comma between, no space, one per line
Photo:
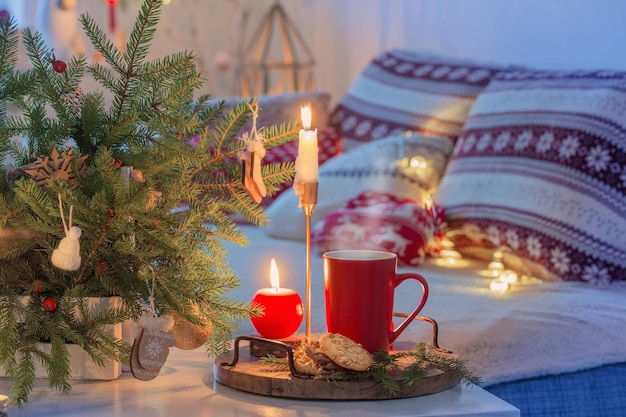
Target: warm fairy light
[447,243]
[418,162]
[503,278]
[496,267]
[509,277]
[498,286]
[274,277]
[427,202]
[450,256]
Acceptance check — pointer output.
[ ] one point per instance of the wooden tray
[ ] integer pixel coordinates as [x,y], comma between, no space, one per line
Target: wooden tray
[250,375]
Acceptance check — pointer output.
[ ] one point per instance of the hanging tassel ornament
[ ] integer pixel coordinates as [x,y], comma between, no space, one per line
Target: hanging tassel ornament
[67,255]
[251,160]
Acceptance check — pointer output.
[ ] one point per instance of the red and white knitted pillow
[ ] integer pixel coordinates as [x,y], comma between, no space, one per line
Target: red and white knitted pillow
[378,221]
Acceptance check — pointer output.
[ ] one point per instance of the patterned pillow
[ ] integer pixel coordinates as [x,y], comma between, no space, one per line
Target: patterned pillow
[378,221]
[380,165]
[404,90]
[540,169]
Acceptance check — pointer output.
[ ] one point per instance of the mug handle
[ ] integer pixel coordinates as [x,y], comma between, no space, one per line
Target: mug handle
[399,279]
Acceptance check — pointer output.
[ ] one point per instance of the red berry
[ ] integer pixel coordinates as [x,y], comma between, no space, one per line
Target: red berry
[38,286]
[49,305]
[101,267]
[59,66]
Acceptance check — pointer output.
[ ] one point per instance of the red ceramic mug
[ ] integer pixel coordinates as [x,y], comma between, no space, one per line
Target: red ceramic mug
[359,287]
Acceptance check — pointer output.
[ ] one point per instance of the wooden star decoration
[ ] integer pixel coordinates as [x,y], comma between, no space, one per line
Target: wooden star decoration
[55,166]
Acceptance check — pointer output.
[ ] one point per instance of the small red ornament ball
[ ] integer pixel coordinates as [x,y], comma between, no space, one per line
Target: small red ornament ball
[101,267]
[59,66]
[49,305]
[38,286]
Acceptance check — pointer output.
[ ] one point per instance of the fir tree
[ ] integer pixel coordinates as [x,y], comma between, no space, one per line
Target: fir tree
[70,149]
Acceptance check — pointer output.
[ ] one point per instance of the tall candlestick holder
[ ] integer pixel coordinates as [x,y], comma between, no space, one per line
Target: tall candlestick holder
[308,201]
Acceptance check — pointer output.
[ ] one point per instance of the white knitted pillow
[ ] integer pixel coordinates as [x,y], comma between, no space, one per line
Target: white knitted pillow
[404,90]
[540,169]
[374,166]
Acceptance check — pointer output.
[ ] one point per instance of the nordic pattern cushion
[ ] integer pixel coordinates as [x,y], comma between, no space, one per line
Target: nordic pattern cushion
[373,166]
[540,169]
[378,221]
[404,90]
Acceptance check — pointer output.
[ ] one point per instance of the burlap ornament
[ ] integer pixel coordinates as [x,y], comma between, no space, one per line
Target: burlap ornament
[189,336]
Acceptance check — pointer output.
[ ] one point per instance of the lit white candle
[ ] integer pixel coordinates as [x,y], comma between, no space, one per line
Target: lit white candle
[307,162]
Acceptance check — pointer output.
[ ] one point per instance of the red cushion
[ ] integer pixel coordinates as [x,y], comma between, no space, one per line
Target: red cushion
[379,221]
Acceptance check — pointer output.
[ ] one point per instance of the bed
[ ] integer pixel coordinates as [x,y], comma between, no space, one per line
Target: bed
[463,164]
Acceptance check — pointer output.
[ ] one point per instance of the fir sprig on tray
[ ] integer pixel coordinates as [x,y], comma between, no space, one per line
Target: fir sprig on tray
[387,369]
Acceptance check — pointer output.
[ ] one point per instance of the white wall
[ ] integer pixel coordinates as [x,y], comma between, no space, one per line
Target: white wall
[345,34]
[560,34]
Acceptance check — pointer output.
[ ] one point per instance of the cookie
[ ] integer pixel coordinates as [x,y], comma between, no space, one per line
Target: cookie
[304,363]
[346,352]
[322,360]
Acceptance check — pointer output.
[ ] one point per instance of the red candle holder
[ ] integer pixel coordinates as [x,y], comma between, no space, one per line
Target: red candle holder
[282,309]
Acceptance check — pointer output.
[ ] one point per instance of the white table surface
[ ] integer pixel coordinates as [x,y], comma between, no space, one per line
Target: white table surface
[186,388]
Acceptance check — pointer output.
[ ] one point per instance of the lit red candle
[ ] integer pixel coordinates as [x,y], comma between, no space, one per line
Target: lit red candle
[282,309]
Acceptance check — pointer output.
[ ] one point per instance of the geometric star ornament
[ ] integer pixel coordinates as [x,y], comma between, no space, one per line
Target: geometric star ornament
[55,166]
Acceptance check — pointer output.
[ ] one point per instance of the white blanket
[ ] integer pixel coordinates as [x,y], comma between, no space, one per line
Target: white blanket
[536,328]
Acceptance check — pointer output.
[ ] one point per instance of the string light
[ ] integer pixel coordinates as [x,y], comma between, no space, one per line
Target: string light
[503,278]
[418,162]
[509,277]
[498,286]
[449,255]
[496,267]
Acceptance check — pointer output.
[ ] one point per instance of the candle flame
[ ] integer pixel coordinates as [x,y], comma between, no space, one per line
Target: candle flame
[274,278]
[305,113]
